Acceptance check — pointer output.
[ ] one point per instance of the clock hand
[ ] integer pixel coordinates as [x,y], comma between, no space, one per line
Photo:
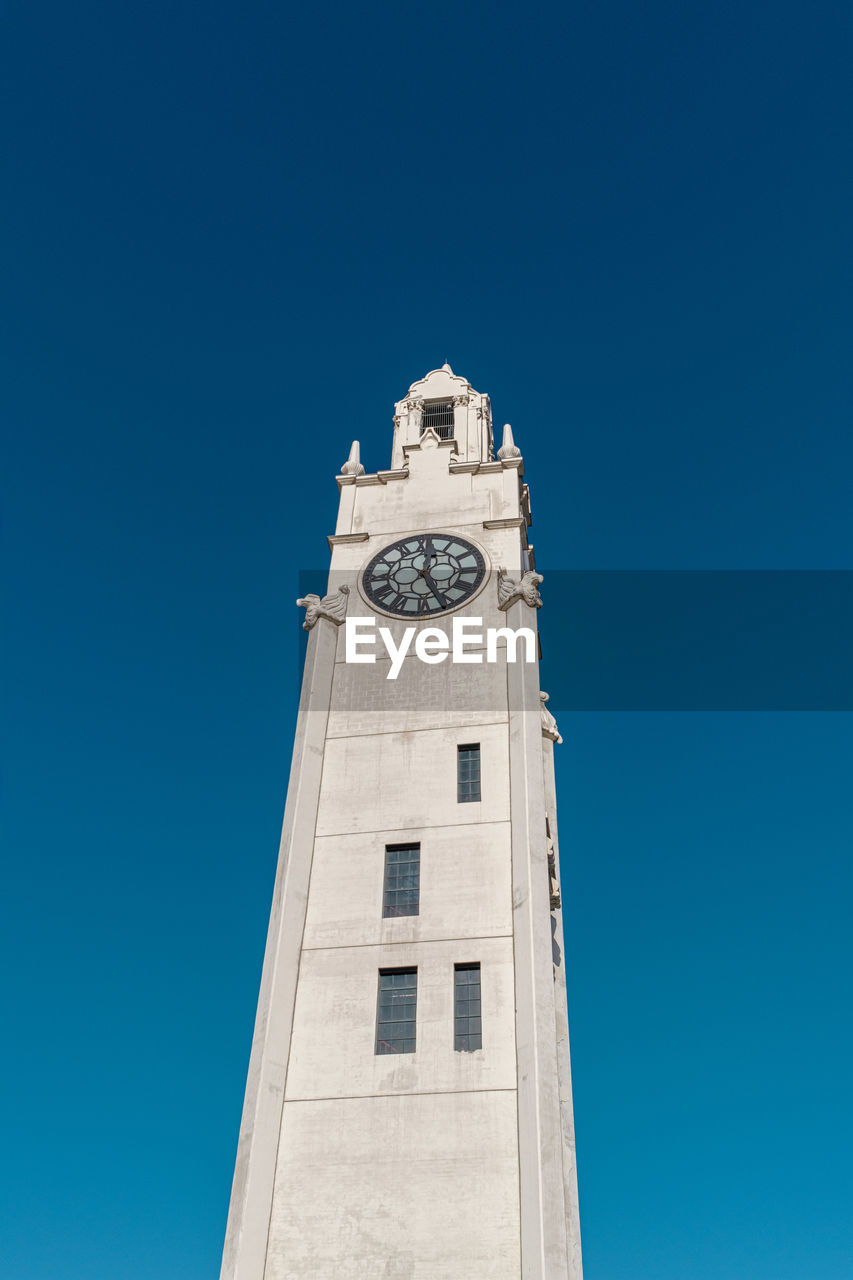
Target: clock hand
[424,571]
[434,589]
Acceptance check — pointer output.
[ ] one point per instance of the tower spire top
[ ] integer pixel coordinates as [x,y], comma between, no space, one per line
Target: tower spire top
[446,402]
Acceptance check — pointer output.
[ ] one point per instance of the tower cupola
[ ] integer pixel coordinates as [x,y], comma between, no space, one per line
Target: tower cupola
[449,406]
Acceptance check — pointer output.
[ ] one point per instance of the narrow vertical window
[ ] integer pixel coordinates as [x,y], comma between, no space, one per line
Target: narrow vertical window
[402,880]
[398,1000]
[466,1008]
[468,772]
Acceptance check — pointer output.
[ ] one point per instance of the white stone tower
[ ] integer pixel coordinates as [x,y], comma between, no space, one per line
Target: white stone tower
[408,1110]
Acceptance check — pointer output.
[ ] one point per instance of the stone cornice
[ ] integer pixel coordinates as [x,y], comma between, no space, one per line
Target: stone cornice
[450,443]
[511,522]
[344,539]
[377,477]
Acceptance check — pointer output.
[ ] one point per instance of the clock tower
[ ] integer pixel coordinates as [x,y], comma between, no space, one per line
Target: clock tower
[408,1110]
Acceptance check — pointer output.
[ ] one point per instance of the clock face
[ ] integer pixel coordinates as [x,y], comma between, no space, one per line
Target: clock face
[424,574]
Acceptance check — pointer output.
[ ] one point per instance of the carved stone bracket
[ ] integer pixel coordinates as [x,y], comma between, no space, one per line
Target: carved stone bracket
[549,724]
[414,404]
[461,399]
[333,606]
[523,588]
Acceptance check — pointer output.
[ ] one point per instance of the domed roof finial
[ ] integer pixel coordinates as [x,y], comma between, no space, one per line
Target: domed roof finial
[353,466]
[509,449]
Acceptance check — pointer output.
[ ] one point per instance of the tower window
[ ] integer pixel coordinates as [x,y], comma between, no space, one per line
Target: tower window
[468,1022]
[402,880]
[468,772]
[398,999]
[438,414]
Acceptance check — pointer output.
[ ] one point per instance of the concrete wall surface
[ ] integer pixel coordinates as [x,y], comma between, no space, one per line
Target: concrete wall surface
[465,886]
[332,1052]
[423,1187]
[400,781]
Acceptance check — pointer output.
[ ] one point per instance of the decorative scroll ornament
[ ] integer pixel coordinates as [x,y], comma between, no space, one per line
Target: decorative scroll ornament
[549,724]
[461,399]
[523,588]
[509,449]
[413,405]
[333,606]
[352,466]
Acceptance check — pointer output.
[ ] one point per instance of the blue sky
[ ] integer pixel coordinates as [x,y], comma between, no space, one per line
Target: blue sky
[231,237]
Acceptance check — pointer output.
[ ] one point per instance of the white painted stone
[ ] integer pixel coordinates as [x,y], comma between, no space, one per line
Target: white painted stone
[334,1031]
[422,697]
[465,886]
[421,1187]
[472,419]
[244,1253]
[564,1066]
[435,1165]
[401,781]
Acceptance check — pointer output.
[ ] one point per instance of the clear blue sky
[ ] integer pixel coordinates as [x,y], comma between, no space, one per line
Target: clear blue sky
[231,236]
